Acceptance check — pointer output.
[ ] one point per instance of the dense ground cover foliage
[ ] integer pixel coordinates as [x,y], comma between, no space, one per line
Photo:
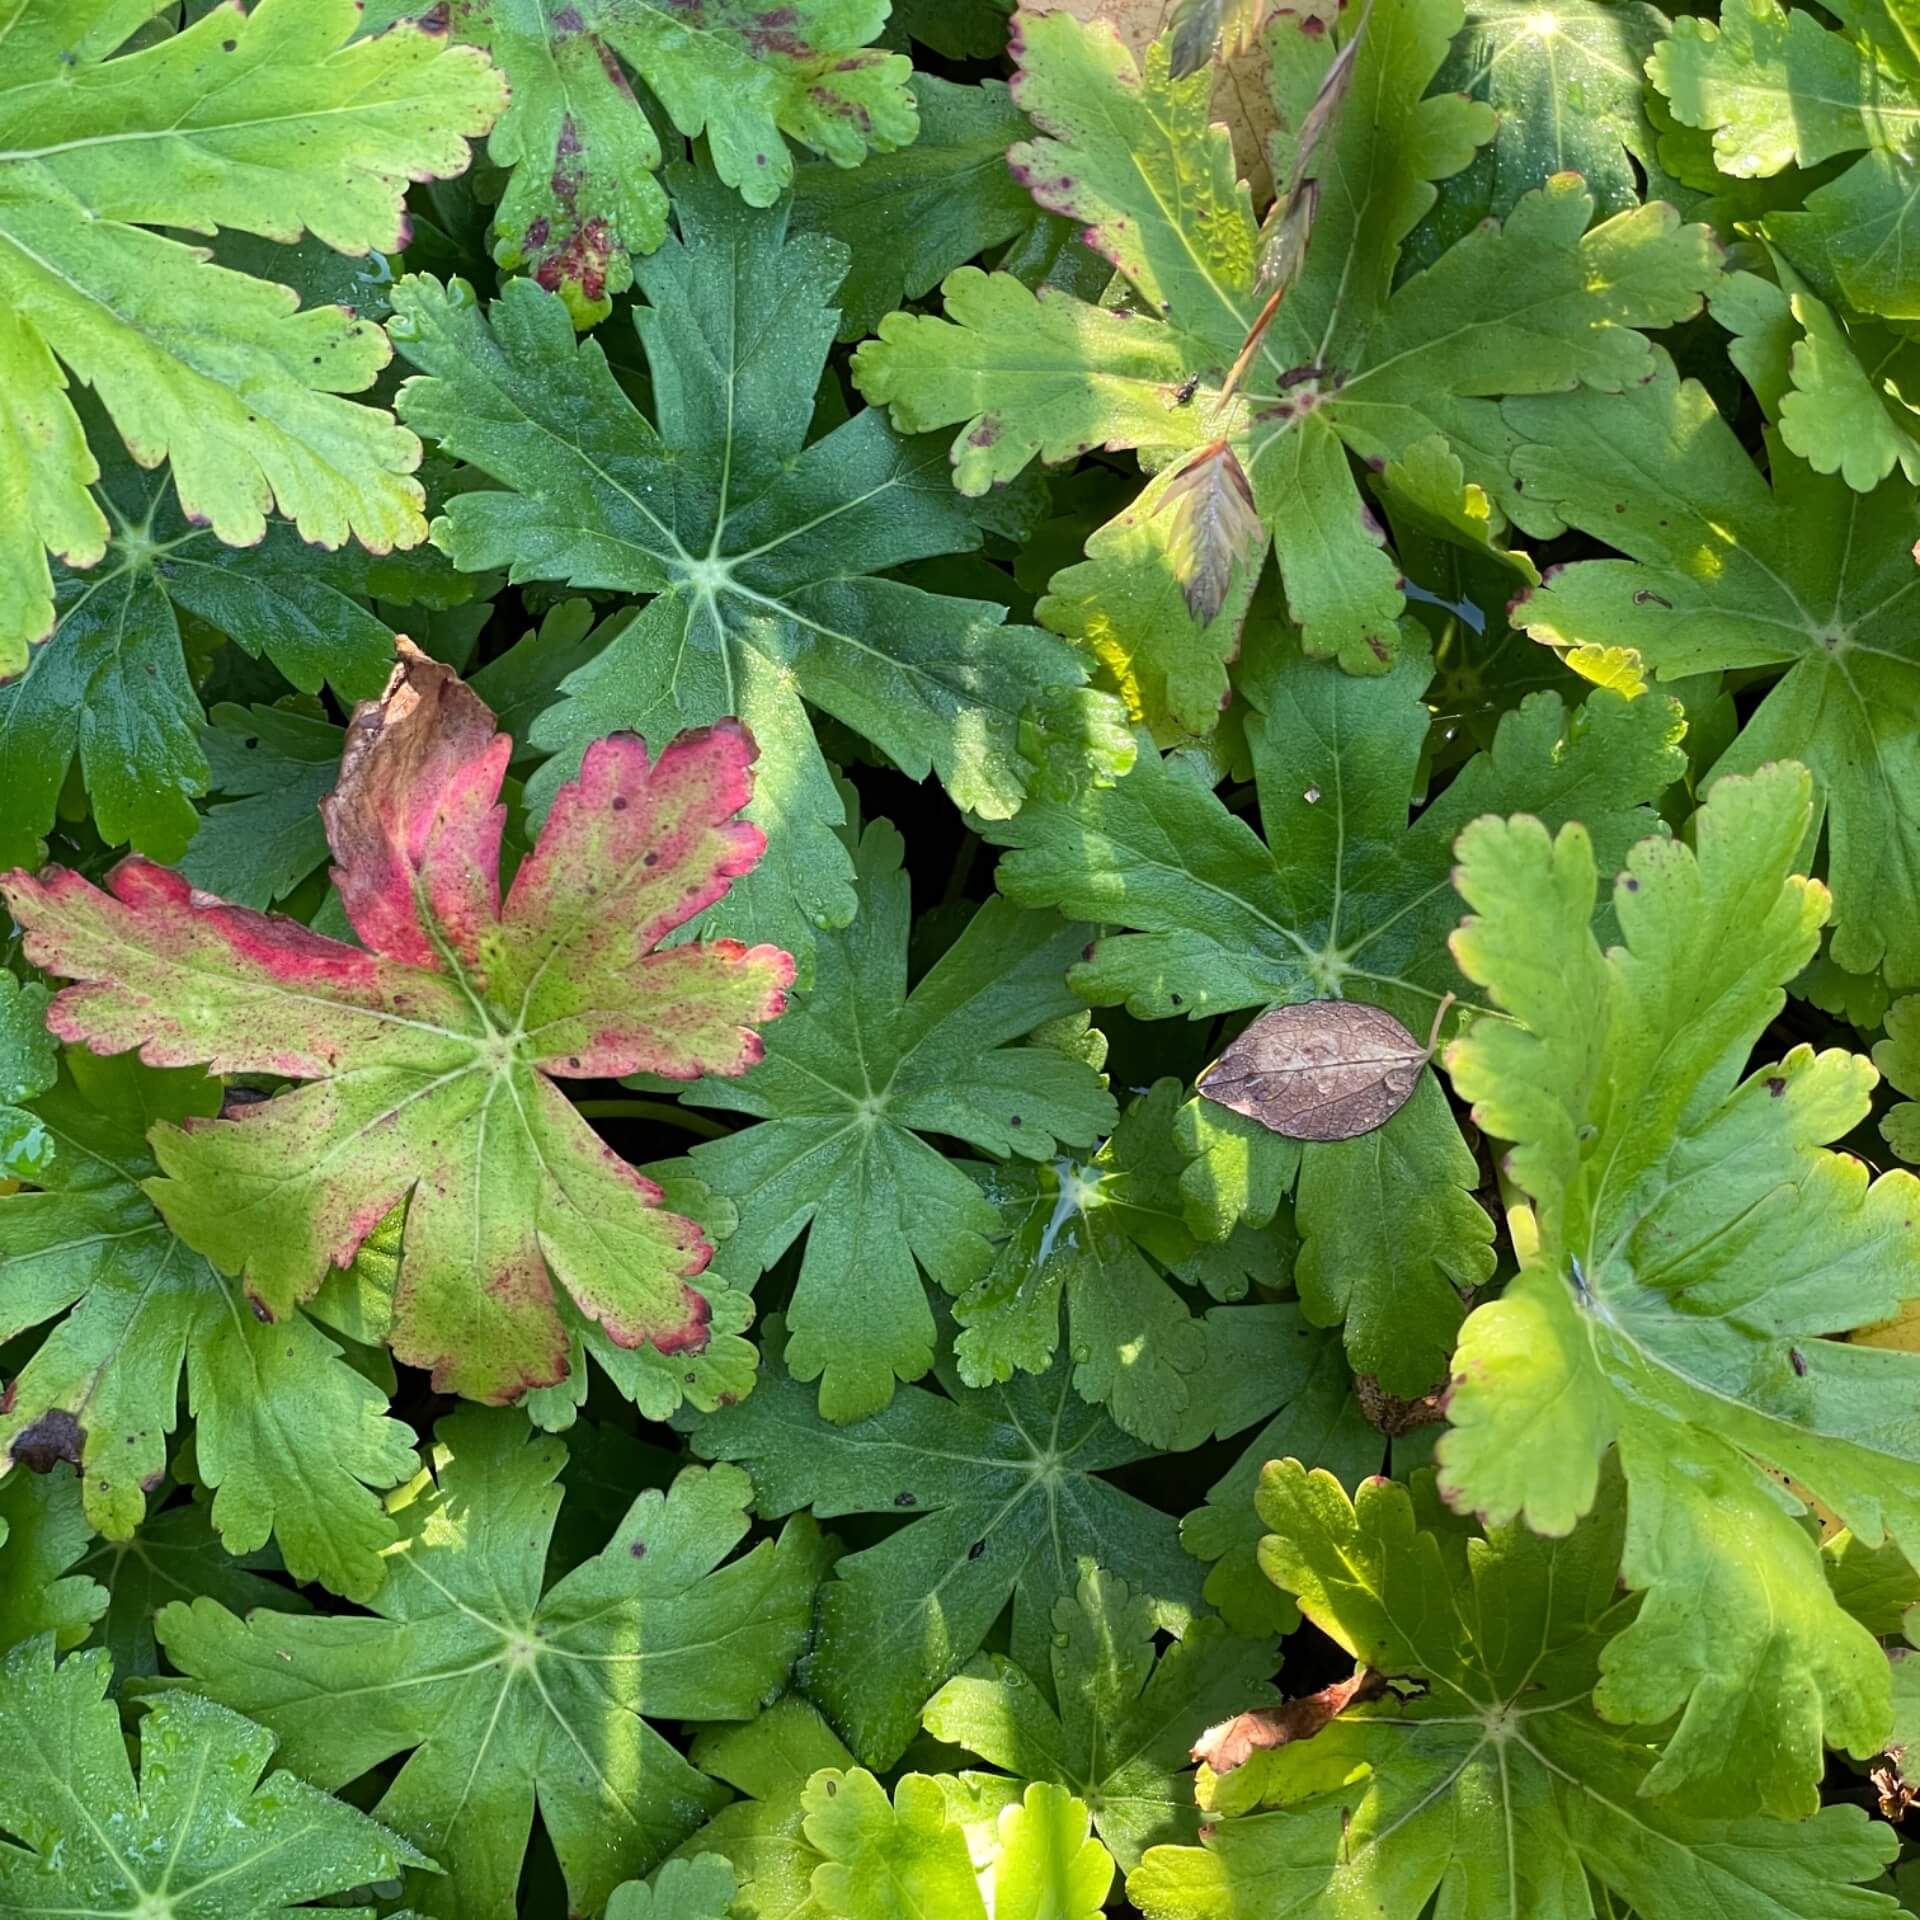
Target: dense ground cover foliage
[961,963]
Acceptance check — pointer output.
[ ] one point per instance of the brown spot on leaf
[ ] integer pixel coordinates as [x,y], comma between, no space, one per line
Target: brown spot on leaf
[1394,1415]
[54,1437]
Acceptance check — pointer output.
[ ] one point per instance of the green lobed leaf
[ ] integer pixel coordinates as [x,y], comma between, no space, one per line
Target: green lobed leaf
[1108,1719]
[1777,88]
[697,1889]
[1803,581]
[582,198]
[907,219]
[764,555]
[263,121]
[1338,900]
[761,1835]
[43,1537]
[1318,1419]
[1898,1058]
[549,1693]
[176,1554]
[1480,1776]
[110,693]
[1105,1240]
[1567,84]
[855,1075]
[1539,305]
[275,765]
[291,1441]
[1697,1247]
[29,1059]
[199,1832]
[882,1861]
[1009,1503]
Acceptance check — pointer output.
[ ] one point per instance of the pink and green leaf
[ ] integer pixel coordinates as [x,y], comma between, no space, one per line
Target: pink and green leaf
[426,1053]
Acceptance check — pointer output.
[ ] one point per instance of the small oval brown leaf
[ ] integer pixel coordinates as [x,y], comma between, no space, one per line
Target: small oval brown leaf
[1322,1070]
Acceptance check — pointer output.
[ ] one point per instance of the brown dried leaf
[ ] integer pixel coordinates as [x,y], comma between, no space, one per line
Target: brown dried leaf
[1327,102]
[1283,248]
[1201,25]
[1321,1070]
[1391,1413]
[1214,527]
[1234,1742]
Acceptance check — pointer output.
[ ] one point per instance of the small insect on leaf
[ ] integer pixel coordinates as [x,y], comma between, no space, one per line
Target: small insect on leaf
[1321,1070]
[1213,529]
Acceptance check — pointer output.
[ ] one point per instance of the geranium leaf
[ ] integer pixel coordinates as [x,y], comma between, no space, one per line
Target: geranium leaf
[700,1888]
[264,121]
[110,692]
[1802,580]
[1347,365]
[855,1076]
[544,1694]
[1479,1773]
[465,1003]
[1567,82]
[29,1059]
[1898,1058]
[176,1554]
[43,1536]
[1106,1238]
[1049,1866]
[275,767]
[761,1835]
[1318,1419]
[1108,1721]
[1340,898]
[1005,1484]
[1777,88]
[1697,1245]
[763,554]
[882,1861]
[290,1440]
[199,1833]
[907,219]
[583,198]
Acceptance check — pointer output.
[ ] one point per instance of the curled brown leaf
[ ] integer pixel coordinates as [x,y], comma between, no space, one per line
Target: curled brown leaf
[1234,1742]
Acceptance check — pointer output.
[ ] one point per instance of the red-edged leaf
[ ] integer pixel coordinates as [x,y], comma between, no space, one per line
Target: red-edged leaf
[428,1054]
